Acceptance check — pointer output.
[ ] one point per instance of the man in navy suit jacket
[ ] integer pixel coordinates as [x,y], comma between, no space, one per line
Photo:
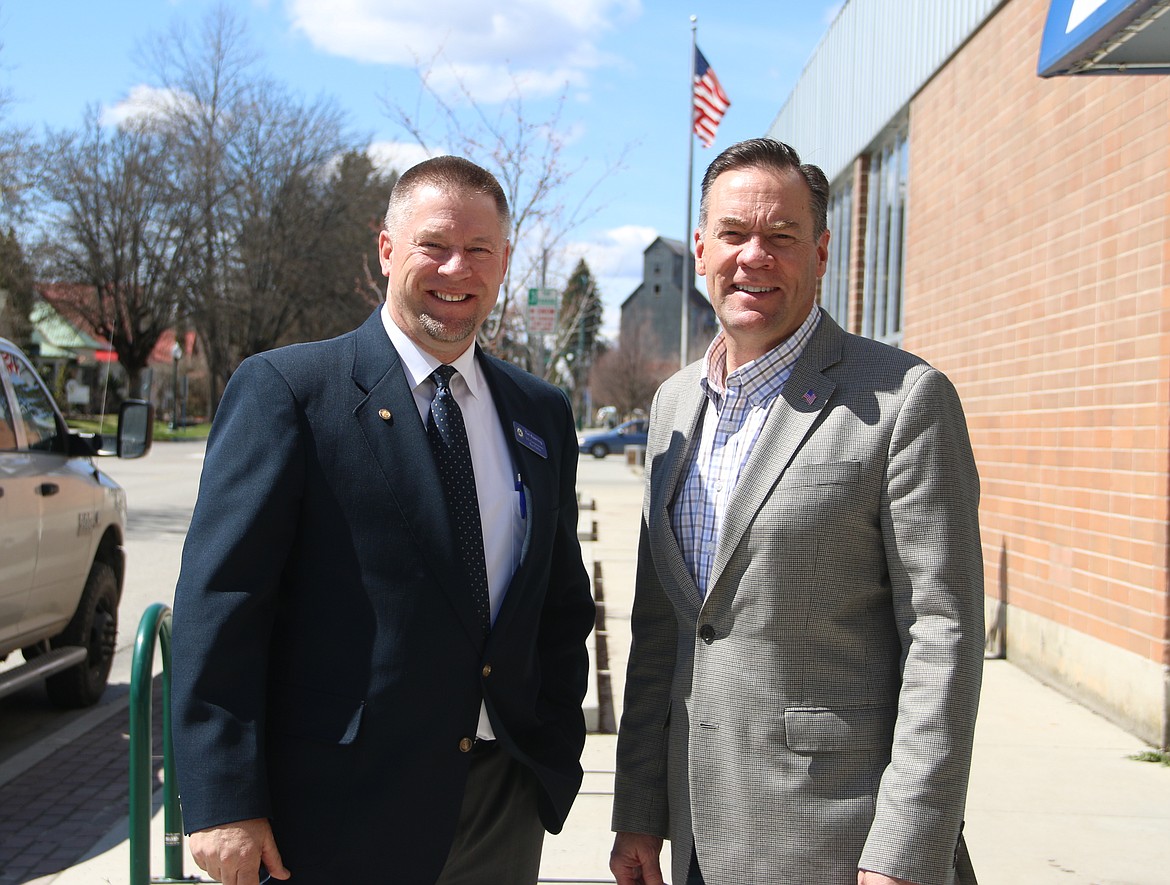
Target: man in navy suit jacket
[341,714]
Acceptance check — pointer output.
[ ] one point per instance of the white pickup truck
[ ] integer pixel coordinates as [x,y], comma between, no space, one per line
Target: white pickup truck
[62,523]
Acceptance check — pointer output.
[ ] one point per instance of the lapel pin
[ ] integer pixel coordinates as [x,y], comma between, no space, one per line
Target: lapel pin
[810,396]
[385,414]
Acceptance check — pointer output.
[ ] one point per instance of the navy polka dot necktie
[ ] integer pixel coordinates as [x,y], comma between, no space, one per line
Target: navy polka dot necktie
[448,436]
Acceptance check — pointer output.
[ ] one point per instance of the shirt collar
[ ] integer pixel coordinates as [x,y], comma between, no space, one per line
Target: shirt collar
[419,364]
[762,378]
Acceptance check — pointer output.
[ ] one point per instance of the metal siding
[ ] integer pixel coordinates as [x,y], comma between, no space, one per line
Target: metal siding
[875,56]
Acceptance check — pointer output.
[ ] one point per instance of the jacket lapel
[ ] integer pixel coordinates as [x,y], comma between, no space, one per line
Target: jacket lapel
[389,420]
[788,423]
[668,468]
[512,408]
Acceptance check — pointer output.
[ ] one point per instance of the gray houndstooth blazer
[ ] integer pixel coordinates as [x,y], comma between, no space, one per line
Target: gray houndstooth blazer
[816,712]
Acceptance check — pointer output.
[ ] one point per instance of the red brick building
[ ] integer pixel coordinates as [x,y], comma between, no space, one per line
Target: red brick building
[1015,232]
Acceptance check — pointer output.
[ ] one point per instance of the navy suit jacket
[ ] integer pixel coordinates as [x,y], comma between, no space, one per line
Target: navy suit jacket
[327,658]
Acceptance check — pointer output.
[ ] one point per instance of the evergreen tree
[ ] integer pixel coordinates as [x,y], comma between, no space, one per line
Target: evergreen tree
[580,326]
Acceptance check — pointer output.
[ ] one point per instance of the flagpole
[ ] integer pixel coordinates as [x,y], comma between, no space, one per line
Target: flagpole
[688,235]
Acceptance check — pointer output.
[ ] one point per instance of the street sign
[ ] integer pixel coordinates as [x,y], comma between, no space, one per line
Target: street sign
[542,310]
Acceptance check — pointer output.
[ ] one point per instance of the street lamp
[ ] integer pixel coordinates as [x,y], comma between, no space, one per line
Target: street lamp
[176,355]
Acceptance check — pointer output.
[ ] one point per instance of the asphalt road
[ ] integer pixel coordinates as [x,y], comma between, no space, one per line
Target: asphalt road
[160,493]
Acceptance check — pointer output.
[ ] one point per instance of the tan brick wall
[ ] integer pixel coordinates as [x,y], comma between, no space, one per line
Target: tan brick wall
[1036,277]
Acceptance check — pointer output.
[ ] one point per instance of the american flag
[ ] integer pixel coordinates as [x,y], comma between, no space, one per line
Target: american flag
[711,102]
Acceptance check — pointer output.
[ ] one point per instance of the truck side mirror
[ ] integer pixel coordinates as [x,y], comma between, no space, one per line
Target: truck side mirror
[135,428]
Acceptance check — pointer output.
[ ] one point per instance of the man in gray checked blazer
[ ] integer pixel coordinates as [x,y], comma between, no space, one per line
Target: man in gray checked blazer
[808,622]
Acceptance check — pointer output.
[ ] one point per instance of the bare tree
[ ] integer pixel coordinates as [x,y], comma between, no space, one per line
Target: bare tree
[278,217]
[529,157]
[203,80]
[627,376]
[256,169]
[17,169]
[121,230]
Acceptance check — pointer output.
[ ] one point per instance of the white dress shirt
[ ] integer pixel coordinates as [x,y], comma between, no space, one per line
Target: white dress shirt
[495,476]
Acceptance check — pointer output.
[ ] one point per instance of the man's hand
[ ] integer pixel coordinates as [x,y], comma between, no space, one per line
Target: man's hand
[232,854]
[634,859]
[865,877]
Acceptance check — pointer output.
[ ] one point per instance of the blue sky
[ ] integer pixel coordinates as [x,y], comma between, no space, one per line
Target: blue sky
[625,62]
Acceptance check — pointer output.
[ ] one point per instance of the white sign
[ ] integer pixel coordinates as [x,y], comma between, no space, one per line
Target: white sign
[542,310]
[1081,10]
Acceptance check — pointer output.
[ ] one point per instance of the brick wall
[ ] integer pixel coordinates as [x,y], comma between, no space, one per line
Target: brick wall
[860,222]
[1036,277]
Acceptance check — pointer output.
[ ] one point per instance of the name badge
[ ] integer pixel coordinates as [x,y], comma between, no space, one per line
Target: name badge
[529,440]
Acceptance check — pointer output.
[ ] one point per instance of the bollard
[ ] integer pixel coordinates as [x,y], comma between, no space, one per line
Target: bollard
[606,718]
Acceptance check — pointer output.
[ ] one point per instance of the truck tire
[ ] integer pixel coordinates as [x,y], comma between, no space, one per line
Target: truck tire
[94,626]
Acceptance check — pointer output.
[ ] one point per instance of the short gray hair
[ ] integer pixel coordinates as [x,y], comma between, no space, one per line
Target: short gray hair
[454,174]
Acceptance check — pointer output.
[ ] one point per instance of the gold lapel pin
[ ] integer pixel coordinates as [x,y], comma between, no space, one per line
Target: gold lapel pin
[384,414]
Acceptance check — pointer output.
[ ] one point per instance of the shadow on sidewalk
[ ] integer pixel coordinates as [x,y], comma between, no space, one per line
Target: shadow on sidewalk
[55,812]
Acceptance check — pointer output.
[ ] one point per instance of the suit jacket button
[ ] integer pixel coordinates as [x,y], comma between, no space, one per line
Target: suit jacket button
[707,633]
[487,670]
[465,745]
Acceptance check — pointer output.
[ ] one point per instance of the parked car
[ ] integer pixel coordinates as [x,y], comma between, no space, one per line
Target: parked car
[605,442]
[62,523]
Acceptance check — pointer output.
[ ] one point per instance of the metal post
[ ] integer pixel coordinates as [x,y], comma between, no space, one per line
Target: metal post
[688,235]
[172,813]
[155,624]
[176,354]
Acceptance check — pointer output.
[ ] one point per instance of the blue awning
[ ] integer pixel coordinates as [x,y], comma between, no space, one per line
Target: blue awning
[1106,37]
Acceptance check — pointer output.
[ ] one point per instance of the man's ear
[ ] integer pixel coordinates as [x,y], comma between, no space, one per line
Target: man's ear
[385,247]
[822,253]
[700,269]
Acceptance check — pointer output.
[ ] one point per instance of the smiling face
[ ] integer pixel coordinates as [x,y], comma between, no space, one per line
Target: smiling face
[761,257]
[445,259]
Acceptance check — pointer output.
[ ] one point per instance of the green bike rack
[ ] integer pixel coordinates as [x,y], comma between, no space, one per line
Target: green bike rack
[155,624]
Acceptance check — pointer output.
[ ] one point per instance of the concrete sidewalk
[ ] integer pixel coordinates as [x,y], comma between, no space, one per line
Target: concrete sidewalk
[1054,796]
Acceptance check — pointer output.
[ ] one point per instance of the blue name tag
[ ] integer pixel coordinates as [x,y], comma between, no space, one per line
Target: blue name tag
[529,440]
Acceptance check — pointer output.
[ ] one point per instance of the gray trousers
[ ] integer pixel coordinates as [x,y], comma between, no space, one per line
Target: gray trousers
[499,837]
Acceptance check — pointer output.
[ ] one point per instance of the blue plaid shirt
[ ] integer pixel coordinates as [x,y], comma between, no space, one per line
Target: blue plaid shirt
[736,409]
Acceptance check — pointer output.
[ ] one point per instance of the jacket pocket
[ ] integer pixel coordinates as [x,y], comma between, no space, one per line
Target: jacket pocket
[830,473]
[297,711]
[825,730]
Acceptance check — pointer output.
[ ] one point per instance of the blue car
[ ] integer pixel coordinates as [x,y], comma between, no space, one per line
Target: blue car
[604,442]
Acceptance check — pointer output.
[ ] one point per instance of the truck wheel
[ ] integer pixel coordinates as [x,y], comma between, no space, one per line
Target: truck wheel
[94,626]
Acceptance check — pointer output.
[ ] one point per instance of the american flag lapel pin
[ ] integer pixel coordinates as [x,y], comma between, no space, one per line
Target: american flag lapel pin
[810,396]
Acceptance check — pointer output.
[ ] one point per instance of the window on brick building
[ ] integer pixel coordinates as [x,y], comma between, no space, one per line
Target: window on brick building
[884,238]
[835,284]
